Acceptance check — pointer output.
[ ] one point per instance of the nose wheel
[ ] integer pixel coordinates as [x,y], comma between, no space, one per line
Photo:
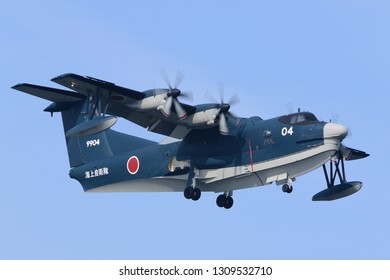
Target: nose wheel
[287,188]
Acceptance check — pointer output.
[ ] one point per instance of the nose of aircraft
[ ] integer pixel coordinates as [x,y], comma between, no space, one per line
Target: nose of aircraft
[334,130]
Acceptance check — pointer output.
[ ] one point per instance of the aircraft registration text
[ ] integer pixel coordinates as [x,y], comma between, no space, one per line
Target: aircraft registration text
[92,143]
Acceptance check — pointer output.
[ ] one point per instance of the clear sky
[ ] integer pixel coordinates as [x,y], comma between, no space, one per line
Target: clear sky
[330,57]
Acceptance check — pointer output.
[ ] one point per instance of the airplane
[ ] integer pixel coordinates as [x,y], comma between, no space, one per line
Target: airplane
[207,148]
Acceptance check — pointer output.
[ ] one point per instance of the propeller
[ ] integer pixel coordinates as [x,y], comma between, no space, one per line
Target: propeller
[345,152]
[335,118]
[173,94]
[223,113]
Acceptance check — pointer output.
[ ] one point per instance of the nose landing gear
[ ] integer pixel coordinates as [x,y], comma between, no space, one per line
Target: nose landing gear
[288,188]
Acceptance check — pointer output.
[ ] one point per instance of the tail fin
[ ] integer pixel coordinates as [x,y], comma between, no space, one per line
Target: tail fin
[87,148]
[74,110]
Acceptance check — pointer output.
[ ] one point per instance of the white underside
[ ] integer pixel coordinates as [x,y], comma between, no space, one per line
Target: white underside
[278,170]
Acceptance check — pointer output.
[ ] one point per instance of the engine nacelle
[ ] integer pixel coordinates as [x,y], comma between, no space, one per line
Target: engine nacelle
[149,103]
[201,119]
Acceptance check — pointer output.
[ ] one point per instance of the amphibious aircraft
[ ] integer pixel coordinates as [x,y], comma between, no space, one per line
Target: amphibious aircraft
[207,149]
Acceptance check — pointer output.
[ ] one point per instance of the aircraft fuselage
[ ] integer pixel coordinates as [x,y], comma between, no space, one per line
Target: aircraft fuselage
[255,153]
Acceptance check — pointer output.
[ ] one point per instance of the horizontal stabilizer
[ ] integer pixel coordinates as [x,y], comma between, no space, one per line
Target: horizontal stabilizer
[92,126]
[51,94]
[352,154]
[59,106]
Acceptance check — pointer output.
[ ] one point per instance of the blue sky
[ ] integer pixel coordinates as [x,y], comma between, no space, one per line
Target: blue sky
[329,57]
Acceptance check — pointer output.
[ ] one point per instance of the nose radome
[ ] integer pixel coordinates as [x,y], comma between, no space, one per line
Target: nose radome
[334,130]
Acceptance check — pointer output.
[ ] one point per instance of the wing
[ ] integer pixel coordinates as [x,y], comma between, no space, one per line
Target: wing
[88,85]
[122,102]
[157,110]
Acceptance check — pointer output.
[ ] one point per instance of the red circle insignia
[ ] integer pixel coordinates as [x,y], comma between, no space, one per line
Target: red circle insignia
[133,165]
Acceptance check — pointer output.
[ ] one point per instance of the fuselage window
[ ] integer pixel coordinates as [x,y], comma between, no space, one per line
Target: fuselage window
[300,118]
[293,119]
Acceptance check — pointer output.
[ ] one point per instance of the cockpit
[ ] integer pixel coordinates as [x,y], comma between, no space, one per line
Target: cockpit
[300,118]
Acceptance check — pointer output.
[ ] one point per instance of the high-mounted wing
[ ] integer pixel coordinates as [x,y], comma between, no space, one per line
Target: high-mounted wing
[157,110]
[89,85]
[130,104]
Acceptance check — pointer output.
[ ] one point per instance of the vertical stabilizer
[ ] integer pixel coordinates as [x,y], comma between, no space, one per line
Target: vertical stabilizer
[87,134]
[84,148]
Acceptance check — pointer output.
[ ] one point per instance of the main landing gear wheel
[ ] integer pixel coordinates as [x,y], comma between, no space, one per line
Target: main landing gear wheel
[225,201]
[197,194]
[287,188]
[192,193]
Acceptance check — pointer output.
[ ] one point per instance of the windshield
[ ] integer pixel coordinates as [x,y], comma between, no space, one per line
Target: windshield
[298,118]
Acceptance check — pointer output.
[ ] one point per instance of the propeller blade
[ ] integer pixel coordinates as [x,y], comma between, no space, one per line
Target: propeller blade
[179,78]
[166,110]
[289,107]
[223,127]
[335,118]
[210,98]
[234,100]
[221,90]
[181,113]
[231,115]
[187,94]
[350,134]
[165,77]
[234,118]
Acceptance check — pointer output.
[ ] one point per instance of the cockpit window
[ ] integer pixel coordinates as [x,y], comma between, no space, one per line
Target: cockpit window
[298,118]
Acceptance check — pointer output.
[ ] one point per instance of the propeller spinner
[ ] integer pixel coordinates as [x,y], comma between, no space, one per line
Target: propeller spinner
[173,94]
[223,109]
